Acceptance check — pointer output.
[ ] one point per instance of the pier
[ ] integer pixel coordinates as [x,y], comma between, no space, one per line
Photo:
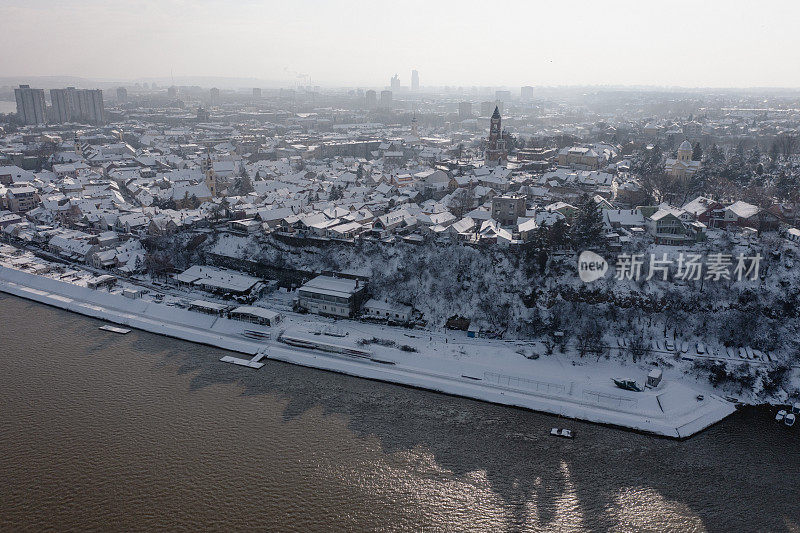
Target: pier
[252,363]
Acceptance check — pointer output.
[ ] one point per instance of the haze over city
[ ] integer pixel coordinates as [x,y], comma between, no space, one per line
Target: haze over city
[399,266]
[350,43]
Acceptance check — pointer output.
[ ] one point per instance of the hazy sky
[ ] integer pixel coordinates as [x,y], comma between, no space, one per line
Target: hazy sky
[688,43]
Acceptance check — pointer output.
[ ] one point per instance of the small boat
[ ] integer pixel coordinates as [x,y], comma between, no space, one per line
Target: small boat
[796,408]
[700,397]
[627,384]
[789,419]
[114,329]
[781,415]
[566,433]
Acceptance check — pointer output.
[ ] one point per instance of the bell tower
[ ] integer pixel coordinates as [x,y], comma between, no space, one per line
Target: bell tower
[496,149]
[211,178]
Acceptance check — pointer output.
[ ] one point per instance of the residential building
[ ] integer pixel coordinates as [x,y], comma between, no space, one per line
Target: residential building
[674,227]
[326,295]
[61,103]
[90,106]
[30,105]
[371,99]
[508,208]
[579,157]
[20,199]
[526,93]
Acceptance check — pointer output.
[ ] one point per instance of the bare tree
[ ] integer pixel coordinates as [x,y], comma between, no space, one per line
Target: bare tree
[461,202]
[787,143]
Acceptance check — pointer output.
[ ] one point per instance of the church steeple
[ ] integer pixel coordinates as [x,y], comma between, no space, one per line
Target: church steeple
[211,178]
[496,149]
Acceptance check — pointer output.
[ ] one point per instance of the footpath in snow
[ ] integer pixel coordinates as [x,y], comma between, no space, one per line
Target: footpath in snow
[497,375]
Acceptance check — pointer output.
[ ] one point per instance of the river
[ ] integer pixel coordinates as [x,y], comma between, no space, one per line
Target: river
[140,432]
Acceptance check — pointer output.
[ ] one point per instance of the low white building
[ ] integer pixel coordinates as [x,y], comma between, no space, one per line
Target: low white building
[387,310]
[256,315]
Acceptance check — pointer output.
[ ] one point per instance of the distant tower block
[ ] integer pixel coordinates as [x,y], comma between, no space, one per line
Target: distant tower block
[414,80]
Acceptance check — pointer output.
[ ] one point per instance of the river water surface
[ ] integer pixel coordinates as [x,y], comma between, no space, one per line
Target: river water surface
[100,431]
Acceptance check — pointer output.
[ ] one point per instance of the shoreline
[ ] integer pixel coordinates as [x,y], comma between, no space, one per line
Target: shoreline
[644,412]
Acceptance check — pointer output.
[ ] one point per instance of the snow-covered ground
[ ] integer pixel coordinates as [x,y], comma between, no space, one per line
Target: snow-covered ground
[492,370]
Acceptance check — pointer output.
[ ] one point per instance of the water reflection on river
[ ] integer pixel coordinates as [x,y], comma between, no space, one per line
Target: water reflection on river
[102,431]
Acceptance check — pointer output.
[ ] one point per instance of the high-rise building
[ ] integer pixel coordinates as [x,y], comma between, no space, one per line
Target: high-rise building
[414,80]
[30,104]
[394,83]
[122,94]
[61,103]
[464,110]
[371,99]
[84,105]
[213,94]
[503,96]
[526,93]
[386,99]
[256,92]
[496,149]
[90,106]
[486,108]
[172,92]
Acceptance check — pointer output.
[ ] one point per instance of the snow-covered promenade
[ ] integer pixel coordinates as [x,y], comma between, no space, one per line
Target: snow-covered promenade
[673,409]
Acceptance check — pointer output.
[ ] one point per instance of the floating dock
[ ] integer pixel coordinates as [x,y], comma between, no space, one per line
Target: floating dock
[115,329]
[252,363]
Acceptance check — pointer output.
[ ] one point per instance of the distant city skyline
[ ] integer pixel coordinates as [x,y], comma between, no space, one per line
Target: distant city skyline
[618,42]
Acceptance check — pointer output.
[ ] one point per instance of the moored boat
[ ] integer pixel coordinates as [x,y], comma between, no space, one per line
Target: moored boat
[562,432]
[627,384]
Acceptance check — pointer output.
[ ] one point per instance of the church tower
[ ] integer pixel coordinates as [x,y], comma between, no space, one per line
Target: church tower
[685,151]
[211,178]
[496,150]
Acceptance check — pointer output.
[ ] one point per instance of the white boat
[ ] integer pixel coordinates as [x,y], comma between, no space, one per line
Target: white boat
[789,419]
[566,433]
[114,329]
[781,415]
[796,408]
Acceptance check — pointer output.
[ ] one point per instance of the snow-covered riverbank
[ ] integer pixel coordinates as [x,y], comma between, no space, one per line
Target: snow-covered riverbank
[489,371]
